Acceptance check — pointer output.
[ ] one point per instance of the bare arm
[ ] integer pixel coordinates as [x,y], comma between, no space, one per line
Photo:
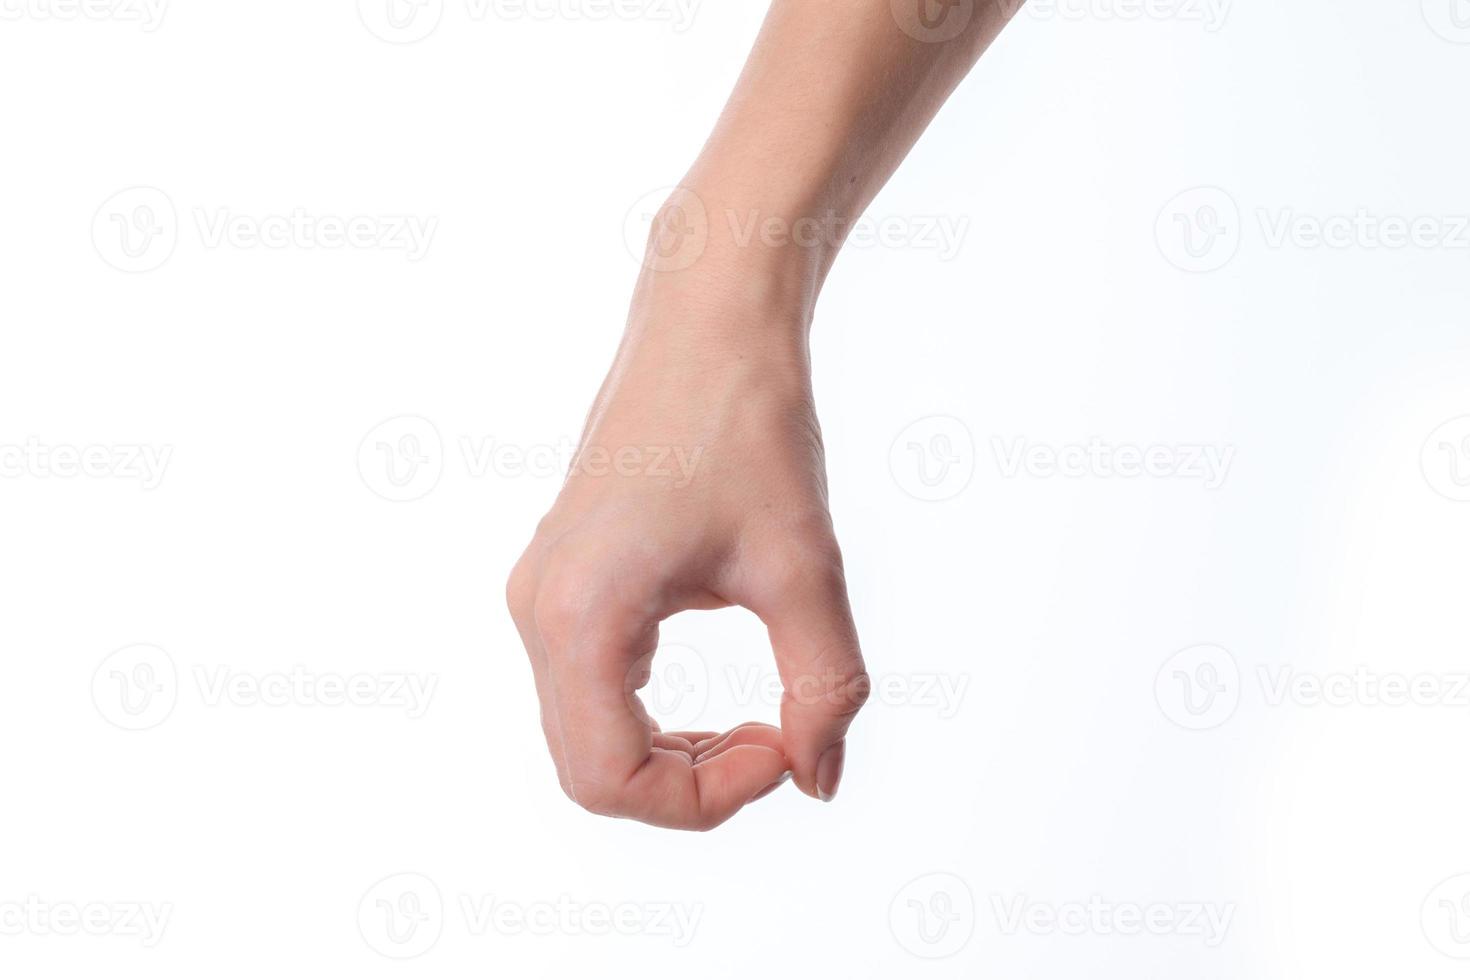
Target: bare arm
[713,374]
[832,99]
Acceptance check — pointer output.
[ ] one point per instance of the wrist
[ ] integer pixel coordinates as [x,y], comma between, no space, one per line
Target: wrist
[720,317]
[711,244]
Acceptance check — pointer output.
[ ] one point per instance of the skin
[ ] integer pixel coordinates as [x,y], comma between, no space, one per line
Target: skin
[714,370]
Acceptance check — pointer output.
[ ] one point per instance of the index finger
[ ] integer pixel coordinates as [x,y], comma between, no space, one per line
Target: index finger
[595,661]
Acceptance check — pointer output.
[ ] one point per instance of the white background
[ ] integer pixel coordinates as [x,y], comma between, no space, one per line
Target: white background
[1075,767]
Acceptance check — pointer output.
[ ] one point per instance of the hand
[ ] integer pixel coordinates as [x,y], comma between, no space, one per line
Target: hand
[699,484]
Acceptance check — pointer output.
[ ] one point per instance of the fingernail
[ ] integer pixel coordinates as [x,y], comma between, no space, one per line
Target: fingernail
[772,788]
[829,771]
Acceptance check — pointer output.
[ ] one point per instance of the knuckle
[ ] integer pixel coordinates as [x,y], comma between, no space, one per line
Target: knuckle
[855,692]
[800,567]
[520,589]
[590,597]
[596,798]
[838,690]
[560,603]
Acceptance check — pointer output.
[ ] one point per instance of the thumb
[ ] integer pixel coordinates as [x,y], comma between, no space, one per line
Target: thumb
[821,665]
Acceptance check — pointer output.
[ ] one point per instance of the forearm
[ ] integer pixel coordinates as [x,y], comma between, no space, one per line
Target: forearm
[832,98]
